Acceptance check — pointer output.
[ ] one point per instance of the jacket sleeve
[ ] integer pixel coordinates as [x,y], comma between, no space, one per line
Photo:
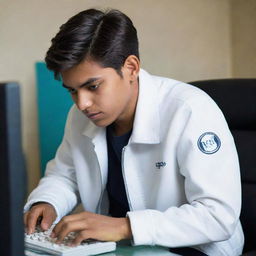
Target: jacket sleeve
[58,187]
[208,161]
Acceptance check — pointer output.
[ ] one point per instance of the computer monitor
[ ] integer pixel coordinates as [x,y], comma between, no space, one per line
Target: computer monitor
[12,172]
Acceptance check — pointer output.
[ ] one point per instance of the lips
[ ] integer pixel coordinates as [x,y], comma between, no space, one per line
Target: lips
[93,115]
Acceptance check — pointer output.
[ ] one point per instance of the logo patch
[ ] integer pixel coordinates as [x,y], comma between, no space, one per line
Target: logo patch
[209,143]
[160,164]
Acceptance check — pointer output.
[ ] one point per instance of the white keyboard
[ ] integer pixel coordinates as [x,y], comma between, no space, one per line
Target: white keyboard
[41,242]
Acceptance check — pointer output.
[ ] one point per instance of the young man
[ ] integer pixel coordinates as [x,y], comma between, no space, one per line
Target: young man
[150,158]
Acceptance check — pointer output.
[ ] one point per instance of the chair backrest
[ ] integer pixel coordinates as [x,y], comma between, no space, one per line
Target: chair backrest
[237,100]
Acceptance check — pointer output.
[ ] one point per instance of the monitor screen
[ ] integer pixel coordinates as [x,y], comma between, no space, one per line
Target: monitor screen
[12,172]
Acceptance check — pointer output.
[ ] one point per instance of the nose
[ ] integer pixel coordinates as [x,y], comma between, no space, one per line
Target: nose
[84,100]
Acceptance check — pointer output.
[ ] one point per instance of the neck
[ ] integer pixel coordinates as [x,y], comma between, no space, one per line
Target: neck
[125,124]
[122,128]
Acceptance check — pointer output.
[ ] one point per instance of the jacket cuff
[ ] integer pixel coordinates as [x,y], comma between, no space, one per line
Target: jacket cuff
[142,227]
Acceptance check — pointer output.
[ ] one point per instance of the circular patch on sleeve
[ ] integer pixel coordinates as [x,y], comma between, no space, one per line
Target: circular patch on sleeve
[209,143]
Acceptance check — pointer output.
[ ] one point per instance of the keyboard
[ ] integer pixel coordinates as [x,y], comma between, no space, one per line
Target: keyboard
[40,242]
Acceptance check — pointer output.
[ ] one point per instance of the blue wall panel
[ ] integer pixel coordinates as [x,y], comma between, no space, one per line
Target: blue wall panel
[54,102]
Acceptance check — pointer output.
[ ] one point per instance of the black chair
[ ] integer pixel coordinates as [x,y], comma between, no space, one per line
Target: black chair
[237,100]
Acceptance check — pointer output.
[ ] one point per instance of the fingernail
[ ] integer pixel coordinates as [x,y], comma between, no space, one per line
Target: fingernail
[52,234]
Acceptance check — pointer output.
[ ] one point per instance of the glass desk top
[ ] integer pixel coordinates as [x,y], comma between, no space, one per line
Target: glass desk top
[124,248]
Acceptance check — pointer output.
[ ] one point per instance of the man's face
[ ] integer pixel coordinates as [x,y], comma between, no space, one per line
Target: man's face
[100,93]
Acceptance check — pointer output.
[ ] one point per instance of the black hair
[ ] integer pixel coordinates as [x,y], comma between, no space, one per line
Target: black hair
[105,37]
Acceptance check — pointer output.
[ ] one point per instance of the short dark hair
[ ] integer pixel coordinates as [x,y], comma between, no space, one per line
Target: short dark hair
[105,37]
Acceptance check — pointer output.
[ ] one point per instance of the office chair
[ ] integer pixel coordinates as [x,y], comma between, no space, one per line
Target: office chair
[237,100]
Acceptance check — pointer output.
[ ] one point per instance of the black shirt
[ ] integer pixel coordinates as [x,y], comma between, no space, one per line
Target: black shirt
[118,203]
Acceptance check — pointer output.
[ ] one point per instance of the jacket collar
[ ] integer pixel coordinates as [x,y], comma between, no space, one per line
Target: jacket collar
[146,126]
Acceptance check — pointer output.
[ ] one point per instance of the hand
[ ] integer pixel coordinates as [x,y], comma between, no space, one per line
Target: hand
[92,226]
[43,211]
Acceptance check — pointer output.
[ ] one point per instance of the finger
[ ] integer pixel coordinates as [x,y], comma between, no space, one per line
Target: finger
[67,219]
[25,218]
[32,218]
[68,227]
[74,217]
[81,236]
[48,218]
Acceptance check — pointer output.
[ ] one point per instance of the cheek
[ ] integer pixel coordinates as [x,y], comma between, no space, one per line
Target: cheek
[115,98]
[111,105]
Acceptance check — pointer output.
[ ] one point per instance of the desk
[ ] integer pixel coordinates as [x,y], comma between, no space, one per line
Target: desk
[125,249]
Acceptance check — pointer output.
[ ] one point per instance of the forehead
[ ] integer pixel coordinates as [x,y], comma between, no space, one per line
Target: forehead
[84,71]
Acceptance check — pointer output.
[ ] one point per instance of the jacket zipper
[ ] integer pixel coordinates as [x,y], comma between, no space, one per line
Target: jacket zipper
[101,196]
[102,189]
[125,184]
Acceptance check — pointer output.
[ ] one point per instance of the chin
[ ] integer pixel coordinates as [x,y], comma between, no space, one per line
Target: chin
[102,123]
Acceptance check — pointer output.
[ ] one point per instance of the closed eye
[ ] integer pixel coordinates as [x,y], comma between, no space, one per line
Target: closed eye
[93,87]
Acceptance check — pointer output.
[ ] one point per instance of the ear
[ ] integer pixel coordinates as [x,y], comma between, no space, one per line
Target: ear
[131,67]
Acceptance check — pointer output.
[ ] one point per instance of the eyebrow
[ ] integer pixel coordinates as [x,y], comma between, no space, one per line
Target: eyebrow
[86,83]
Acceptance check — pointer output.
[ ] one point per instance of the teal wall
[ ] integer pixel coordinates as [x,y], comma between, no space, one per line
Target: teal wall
[54,102]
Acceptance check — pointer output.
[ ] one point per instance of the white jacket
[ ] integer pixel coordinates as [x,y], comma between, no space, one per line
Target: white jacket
[180,169]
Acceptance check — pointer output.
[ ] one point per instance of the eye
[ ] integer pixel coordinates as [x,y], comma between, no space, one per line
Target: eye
[93,87]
